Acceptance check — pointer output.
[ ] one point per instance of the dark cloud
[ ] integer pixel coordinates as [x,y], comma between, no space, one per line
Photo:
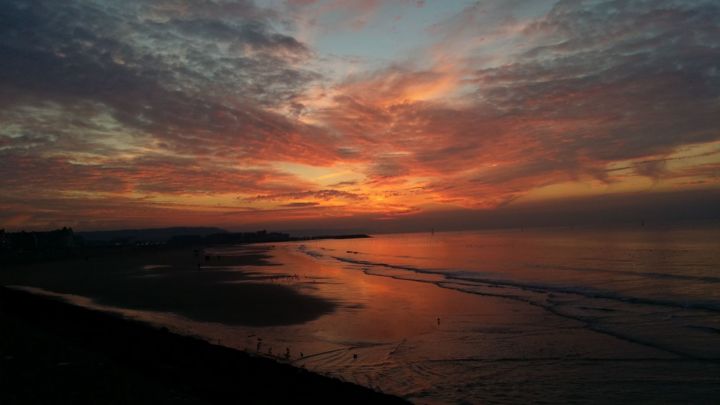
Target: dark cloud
[146,174]
[344,184]
[202,97]
[193,82]
[641,77]
[300,204]
[389,166]
[596,83]
[92,93]
[325,194]
[653,169]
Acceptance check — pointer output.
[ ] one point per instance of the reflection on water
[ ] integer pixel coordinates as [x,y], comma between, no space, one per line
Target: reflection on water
[556,315]
[510,316]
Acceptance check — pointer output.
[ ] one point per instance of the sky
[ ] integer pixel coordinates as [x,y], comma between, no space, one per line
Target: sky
[300,113]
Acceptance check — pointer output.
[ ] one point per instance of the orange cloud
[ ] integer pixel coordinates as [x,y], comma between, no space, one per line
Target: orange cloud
[234,121]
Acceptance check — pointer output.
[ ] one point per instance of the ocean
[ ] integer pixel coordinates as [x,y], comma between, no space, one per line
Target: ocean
[514,316]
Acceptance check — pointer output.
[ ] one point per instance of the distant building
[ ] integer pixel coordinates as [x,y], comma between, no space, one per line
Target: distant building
[34,245]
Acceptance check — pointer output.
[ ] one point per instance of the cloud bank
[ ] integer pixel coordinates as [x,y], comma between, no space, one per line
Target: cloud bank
[200,111]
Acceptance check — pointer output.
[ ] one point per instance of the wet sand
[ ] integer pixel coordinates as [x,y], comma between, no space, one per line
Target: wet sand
[55,352]
[189,283]
[402,327]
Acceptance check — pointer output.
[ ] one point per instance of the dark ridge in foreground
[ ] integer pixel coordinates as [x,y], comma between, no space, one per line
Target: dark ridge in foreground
[56,352]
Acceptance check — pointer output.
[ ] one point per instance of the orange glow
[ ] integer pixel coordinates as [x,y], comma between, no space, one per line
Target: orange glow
[337,109]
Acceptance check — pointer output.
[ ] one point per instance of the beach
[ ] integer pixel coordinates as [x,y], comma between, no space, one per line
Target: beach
[176,280]
[55,352]
[588,316]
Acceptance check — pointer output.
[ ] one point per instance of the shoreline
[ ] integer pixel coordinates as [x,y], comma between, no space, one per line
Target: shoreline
[42,329]
[23,248]
[178,280]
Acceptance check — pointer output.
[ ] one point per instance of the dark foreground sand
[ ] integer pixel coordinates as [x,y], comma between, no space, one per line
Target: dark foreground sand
[53,352]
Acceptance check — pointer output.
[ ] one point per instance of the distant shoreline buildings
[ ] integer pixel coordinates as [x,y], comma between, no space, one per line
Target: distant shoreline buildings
[32,242]
[65,243]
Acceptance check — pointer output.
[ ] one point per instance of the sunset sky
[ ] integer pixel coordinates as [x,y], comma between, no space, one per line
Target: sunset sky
[234,113]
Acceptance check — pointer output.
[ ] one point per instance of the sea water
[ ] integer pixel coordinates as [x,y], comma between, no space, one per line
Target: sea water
[513,316]
[520,315]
